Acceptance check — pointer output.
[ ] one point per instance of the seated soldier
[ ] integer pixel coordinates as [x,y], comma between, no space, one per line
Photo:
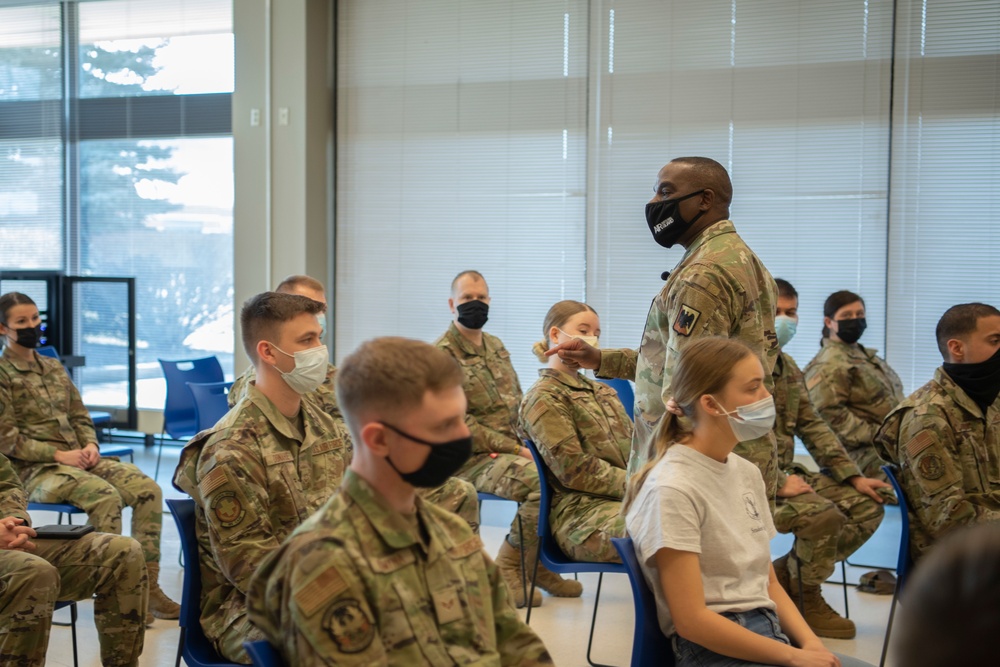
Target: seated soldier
[455,495]
[379,576]
[500,464]
[945,437]
[33,575]
[831,513]
[266,466]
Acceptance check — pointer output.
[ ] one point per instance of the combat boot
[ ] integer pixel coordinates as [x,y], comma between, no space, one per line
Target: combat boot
[160,605]
[822,618]
[509,563]
[552,583]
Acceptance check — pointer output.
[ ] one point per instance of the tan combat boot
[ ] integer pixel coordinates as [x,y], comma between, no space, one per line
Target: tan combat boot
[551,582]
[822,618]
[160,605]
[509,563]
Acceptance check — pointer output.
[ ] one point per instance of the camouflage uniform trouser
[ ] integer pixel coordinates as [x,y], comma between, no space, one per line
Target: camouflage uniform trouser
[230,643]
[458,497]
[108,568]
[829,523]
[511,477]
[584,525]
[102,492]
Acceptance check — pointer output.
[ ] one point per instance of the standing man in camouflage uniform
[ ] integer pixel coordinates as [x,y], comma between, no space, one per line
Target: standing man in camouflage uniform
[47,434]
[719,288]
[831,513]
[266,466]
[500,464]
[455,495]
[379,576]
[851,387]
[33,575]
[945,437]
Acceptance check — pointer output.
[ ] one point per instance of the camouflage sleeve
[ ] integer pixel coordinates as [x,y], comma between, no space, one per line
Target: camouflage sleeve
[239,387]
[549,423]
[618,364]
[822,442]
[829,390]
[235,498]
[486,440]
[517,642]
[933,476]
[79,417]
[13,443]
[13,499]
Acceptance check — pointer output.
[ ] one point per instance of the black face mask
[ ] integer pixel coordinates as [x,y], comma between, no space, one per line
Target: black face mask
[665,220]
[444,461]
[473,314]
[28,337]
[850,331]
[980,381]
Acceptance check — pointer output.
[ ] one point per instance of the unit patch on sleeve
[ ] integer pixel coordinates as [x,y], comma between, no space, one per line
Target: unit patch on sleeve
[686,320]
[349,626]
[228,509]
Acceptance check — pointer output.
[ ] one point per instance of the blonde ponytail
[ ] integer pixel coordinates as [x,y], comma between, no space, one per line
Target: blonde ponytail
[539,350]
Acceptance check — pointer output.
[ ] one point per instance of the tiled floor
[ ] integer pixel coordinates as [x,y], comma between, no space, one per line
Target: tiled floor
[562,623]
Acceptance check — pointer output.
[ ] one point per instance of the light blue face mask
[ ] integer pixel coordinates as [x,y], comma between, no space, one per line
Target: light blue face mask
[785,327]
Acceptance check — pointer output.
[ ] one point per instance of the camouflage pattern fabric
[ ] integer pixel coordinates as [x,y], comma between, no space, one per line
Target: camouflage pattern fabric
[108,568]
[255,477]
[584,436]
[853,390]
[494,396]
[948,453]
[361,584]
[719,288]
[41,412]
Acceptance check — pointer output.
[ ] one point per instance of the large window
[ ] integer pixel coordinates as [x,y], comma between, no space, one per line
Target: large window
[135,99]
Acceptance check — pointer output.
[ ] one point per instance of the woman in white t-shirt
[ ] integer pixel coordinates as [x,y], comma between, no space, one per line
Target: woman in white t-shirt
[701,523]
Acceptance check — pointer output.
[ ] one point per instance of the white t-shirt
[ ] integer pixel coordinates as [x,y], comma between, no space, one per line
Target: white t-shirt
[691,502]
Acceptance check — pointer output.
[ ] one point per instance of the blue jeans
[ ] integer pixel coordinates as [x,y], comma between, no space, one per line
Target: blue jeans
[764,622]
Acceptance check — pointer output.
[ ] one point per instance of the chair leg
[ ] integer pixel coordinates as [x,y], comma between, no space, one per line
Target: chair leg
[593,623]
[888,627]
[72,622]
[534,578]
[843,577]
[520,537]
[159,455]
[180,647]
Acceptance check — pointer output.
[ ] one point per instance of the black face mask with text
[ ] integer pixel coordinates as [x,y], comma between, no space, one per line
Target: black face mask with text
[980,381]
[666,222]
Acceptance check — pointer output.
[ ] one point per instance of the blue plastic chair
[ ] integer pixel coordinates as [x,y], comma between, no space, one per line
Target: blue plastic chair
[193,645]
[483,496]
[904,562]
[552,557]
[625,393]
[263,654]
[180,420]
[210,402]
[47,351]
[650,647]
[59,508]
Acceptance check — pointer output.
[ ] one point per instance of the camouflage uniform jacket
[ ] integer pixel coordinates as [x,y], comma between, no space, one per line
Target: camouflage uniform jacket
[948,453]
[13,498]
[853,390]
[719,288]
[362,584]
[255,479]
[582,432]
[325,394]
[41,412]
[492,389]
[796,417]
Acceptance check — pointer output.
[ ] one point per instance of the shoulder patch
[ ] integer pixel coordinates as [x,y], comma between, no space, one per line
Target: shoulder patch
[320,590]
[213,480]
[931,466]
[349,626]
[470,546]
[686,320]
[537,409]
[228,509]
[919,443]
[813,380]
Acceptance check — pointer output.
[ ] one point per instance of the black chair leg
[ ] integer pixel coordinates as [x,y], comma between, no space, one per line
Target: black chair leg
[888,627]
[843,575]
[159,455]
[520,537]
[593,623]
[180,647]
[534,578]
[72,624]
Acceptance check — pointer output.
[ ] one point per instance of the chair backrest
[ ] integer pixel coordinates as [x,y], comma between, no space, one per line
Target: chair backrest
[903,562]
[179,417]
[197,649]
[263,654]
[649,645]
[625,393]
[211,402]
[546,491]
[47,351]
